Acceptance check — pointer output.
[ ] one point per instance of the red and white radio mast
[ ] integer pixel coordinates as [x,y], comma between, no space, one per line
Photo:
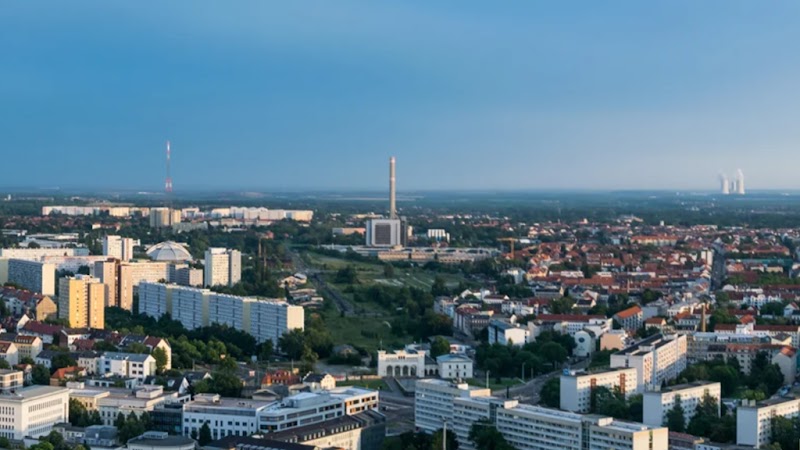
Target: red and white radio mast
[168,183]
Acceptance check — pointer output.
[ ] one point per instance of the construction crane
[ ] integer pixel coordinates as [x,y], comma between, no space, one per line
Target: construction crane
[510,244]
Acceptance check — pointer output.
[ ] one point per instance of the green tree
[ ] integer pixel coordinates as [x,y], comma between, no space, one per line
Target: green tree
[553,353]
[676,419]
[61,360]
[388,271]
[4,443]
[4,364]
[161,359]
[205,435]
[40,375]
[452,441]
[485,436]
[784,432]
[562,305]
[705,417]
[293,344]
[550,395]
[265,351]
[439,346]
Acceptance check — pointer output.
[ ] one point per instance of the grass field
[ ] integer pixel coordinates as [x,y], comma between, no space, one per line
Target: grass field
[377,384]
[372,273]
[369,328]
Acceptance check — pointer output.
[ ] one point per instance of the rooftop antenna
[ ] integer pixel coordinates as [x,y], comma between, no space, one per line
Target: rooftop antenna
[168,183]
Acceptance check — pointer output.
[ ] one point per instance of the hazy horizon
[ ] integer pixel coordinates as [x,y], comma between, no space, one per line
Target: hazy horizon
[469,96]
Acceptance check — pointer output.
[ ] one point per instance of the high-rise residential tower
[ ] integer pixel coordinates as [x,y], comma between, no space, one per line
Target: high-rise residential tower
[222,267]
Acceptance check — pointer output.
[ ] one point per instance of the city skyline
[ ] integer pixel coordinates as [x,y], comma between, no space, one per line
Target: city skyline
[314,97]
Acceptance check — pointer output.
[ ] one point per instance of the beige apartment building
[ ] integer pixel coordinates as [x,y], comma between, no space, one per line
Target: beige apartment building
[82,301]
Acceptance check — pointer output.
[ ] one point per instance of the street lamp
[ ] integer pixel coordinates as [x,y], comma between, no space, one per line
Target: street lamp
[523,372]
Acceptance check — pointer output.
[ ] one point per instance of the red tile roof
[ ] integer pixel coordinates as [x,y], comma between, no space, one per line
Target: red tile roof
[630,312]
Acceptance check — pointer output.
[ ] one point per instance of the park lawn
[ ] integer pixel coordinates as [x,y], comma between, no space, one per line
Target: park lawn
[375,384]
[352,330]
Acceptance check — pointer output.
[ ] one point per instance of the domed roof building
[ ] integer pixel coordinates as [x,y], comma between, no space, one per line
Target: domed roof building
[169,251]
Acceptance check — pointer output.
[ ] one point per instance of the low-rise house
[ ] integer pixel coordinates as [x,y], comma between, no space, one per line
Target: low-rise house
[319,381]
[133,365]
[9,353]
[454,366]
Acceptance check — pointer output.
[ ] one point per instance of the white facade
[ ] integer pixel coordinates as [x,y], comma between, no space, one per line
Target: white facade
[528,427]
[118,247]
[265,319]
[33,411]
[36,254]
[454,367]
[656,359]
[385,233]
[504,333]
[434,399]
[223,267]
[240,417]
[401,363]
[32,275]
[128,365]
[576,387]
[754,419]
[658,403]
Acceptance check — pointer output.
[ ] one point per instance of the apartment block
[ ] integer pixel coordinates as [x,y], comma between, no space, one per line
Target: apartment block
[223,267]
[33,411]
[11,380]
[529,427]
[82,301]
[36,254]
[33,275]
[656,359]
[107,272]
[754,419]
[576,387]
[265,319]
[133,273]
[118,247]
[658,403]
[468,410]
[434,400]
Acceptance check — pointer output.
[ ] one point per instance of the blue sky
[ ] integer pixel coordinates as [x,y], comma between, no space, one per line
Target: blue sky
[467,94]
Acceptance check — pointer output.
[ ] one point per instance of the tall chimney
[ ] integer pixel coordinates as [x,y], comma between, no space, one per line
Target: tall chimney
[392,206]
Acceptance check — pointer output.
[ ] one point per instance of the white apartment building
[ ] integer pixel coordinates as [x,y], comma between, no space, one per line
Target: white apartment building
[568,323]
[468,410]
[128,365]
[529,427]
[754,419]
[576,387]
[33,411]
[33,275]
[118,247]
[658,403]
[504,333]
[223,267]
[434,400]
[656,359]
[36,254]
[240,417]
[265,319]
